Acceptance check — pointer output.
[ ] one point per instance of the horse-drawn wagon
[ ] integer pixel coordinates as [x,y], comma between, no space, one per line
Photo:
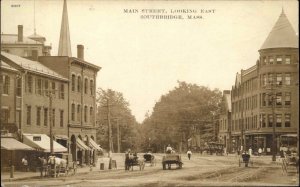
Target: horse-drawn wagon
[170,159]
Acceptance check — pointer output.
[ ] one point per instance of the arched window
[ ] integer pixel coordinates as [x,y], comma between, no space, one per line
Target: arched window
[73,112]
[79,84]
[78,113]
[92,87]
[85,113]
[73,82]
[85,85]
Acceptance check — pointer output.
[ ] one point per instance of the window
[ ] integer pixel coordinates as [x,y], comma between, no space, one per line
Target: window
[264,60]
[29,83]
[270,78]
[78,113]
[73,112]
[263,120]
[287,120]
[45,116]
[53,87]
[85,85]
[288,59]
[38,116]
[46,87]
[53,117]
[92,87]
[85,113]
[79,84]
[279,79]
[91,114]
[62,91]
[287,99]
[73,82]
[279,59]
[61,121]
[278,120]
[4,115]
[264,80]
[270,120]
[39,87]
[270,100]
[19,87]
[287,79]
[278,99]
[6,83]
[271,60]
[28,115]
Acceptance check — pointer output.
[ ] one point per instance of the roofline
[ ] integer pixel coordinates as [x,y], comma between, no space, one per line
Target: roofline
[261,49]
[22,68]
[86,63]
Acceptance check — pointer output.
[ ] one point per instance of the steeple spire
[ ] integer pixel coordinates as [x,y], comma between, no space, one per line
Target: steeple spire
[64,47]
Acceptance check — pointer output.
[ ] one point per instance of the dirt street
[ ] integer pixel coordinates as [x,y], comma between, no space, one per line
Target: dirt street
[201,170]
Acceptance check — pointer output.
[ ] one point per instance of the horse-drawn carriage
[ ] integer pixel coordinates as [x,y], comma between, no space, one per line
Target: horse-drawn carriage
[290,163]
[214,147]
[149,158]
[133,160]
[245,158]
[170,159]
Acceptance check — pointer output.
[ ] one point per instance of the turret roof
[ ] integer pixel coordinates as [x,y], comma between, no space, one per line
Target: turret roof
[282,35]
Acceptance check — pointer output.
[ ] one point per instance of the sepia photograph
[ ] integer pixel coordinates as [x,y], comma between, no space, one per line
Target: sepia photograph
[140,93]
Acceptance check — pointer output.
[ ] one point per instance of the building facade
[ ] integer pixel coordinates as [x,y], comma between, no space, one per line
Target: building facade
[28,47]
[265,96]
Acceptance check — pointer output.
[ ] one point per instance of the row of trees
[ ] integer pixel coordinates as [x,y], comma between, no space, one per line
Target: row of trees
[183,117]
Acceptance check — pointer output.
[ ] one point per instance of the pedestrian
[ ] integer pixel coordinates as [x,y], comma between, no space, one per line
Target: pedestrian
[250,151]
[189,154]
[259,151]
[43,166]
[25,163]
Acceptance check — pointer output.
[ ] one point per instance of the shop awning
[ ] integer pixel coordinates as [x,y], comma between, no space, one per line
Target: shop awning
[94,145]
[10,143]
[81,145]
[42,142]
[61,137]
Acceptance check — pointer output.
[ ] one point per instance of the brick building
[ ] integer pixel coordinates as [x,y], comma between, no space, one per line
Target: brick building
[266,94]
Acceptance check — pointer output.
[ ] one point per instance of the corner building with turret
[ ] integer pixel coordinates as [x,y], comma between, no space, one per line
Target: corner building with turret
[265,97]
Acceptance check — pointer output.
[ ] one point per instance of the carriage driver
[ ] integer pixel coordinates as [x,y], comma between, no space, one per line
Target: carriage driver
[169,149]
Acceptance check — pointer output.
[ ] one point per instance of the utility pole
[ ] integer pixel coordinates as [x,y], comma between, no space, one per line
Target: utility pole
[118,136]
[109,129]
[273,124]
[50,121]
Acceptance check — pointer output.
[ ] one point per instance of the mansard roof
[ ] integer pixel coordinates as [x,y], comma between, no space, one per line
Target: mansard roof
[282,35]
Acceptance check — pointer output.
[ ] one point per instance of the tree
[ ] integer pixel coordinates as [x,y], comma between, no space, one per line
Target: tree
[120,116]
[184,113]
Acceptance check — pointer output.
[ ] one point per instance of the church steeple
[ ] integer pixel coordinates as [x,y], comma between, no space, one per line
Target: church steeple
[64,47]
[282,35]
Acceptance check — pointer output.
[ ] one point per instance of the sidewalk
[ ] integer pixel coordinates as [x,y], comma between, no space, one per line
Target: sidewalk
[19,175]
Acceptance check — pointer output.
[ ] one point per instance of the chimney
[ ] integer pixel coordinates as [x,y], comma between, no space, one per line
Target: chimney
[20,33]
[80,52]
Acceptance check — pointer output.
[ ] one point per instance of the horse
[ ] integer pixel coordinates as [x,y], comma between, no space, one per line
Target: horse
[133,160]
[57,165]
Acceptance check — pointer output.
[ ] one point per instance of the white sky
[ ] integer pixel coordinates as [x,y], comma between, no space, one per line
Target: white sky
[142,58]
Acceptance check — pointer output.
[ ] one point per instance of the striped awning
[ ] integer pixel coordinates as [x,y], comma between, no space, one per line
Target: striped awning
[81,145]
[94,145]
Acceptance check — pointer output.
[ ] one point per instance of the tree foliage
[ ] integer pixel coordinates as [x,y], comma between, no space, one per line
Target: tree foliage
[178,115]
[120,114]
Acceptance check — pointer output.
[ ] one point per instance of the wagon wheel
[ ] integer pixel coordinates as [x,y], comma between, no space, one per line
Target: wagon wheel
[180,165]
